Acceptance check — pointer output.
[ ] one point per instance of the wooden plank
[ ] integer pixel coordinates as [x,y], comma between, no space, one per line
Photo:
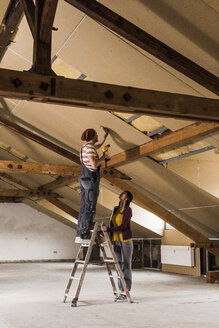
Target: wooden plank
[178,138]
[11,20]
[44,17]
[144,201]
[39,168]
[25,193]
[29,10]
[109,97]
[145,41]
[38,139]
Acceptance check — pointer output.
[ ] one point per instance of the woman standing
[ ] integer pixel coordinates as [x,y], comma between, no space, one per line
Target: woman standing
[121,236]
[89,181]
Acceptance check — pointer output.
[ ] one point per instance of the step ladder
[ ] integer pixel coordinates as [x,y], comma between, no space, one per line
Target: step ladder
[110,262]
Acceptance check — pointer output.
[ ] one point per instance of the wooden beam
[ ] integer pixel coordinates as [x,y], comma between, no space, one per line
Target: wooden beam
[40,140]
[145,41]
[29,10]
[9,25]
[144,201]
[49,196]
[44,17]
[109,97]
[178,138]
[10,200]
[25,193]
[17,181]
[47,19]
[63,181]
[39,168]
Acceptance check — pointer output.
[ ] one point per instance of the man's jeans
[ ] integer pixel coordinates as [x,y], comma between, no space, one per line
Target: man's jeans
[123,251]
[89,195]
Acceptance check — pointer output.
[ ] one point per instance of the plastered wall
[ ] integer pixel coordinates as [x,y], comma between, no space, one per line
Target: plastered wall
[203,173]
[174,237]
[28,235]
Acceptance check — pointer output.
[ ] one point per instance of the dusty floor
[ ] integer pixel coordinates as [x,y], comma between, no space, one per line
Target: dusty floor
[31,296]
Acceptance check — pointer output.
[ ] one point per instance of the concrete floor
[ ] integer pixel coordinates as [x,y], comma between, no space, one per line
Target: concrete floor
[31,296]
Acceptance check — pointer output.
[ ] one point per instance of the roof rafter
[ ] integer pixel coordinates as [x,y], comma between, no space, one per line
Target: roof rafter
[49,196]
[62,91]
[44,16]
[11,20]
[140,38]
[177,138]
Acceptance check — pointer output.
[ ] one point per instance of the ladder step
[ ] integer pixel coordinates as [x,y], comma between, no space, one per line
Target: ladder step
[80,261]
[109,261]
[71,278]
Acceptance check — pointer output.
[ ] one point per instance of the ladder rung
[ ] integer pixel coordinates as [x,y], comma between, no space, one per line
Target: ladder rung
[109,261]
[85,245]
[71,278]
[80,261]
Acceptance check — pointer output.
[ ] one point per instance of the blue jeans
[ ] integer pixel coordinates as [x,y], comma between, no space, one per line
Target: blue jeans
[89,195]
[123,251]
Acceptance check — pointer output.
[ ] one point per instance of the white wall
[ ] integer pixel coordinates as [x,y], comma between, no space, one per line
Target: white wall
[26,234]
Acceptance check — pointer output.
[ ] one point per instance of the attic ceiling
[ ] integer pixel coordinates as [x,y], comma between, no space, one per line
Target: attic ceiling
[86,50]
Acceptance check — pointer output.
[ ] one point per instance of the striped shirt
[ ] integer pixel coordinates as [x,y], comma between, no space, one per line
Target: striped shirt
[88,151]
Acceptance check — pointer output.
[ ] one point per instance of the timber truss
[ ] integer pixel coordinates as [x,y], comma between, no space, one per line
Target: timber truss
[40,84]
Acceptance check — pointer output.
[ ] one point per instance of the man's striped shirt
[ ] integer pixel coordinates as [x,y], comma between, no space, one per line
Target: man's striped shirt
[88,151]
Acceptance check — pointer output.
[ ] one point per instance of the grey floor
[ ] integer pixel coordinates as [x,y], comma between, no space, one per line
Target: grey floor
[31,296]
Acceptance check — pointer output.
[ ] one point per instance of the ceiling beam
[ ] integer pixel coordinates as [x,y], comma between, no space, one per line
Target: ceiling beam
[10,22]
[44,16]
[25,193]
[38,139]
[10,200]
[17,181]
[39,168]
[29,10]
[48,196]
[109,97]
[145,41]
[177,138]
[58,183]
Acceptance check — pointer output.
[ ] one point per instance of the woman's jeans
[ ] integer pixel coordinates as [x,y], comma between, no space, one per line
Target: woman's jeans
[123,251]
[89,195]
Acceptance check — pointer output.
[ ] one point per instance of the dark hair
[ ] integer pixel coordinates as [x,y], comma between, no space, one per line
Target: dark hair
[129,197]
[88,135]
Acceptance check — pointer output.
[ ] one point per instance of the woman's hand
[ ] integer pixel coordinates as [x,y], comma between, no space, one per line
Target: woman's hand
[106,130]
[104,228]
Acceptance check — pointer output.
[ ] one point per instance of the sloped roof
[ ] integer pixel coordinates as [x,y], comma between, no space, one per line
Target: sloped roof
[83,49]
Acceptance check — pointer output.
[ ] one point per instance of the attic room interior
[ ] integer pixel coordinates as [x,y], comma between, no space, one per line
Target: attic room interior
[148,71]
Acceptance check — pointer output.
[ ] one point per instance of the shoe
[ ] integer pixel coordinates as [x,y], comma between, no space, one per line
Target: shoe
[78,240]
[121,297]
[85,241]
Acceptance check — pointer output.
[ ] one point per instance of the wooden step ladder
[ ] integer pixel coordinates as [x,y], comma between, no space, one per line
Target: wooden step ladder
[96,237]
